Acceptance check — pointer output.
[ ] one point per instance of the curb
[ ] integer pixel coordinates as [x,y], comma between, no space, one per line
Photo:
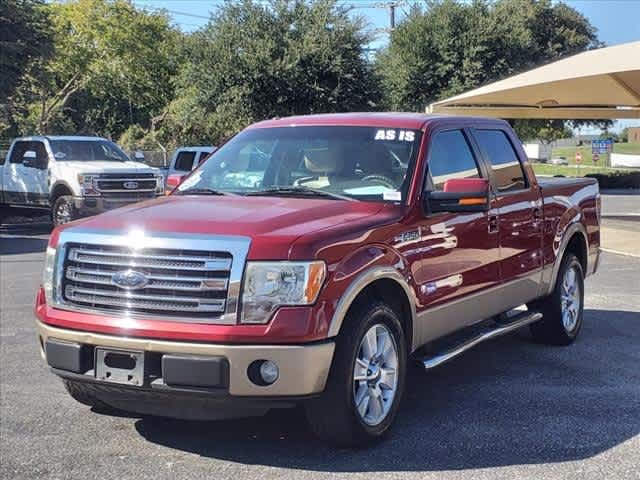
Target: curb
[630,217]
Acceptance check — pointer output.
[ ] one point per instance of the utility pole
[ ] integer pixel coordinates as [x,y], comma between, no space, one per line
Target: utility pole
[392,15]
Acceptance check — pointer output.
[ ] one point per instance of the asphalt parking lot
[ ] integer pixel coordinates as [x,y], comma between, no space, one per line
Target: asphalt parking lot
[507,409]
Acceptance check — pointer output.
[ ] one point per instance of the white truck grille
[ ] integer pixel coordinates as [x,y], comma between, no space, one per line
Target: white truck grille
[183,283]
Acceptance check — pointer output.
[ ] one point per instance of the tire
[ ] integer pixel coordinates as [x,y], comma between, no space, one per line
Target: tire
[333,417]
[81,393]
[63,211]
[562,319]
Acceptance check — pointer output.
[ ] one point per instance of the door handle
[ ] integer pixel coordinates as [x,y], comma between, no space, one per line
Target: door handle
[493,224]
[537,213]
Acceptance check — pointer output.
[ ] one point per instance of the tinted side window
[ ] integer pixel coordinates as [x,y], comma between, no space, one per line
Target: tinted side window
[450,157]
[39,148]
[184,161]
[18,152]
[507,170]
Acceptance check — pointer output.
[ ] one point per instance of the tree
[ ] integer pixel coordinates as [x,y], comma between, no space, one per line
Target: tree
[255,61]
[24,40]
[450,46]
[112,66]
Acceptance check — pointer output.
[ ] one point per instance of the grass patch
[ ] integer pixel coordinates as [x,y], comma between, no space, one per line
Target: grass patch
[573,170]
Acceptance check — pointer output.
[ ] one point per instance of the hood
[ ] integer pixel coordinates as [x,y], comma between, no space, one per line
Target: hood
[272,223]
[102,166]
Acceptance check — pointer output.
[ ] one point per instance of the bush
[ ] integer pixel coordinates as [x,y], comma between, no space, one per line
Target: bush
[617,179]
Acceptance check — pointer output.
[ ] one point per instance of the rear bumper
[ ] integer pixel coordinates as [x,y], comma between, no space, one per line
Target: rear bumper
[303,369]
[88,206]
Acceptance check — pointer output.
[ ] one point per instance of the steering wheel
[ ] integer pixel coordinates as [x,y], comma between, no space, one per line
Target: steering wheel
[385,181]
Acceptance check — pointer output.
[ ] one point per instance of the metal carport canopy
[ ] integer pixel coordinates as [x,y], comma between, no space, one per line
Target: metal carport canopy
[596,84]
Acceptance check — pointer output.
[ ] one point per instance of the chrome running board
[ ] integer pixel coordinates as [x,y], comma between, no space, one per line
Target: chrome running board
[520,320]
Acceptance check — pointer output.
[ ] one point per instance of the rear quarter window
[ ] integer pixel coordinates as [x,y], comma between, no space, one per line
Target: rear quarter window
[508,174]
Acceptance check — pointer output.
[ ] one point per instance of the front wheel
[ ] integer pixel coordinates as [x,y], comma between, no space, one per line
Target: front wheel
[562,310]
[64,211]
[366,380]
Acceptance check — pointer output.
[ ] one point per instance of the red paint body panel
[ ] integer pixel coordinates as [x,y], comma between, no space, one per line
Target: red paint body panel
[441,257]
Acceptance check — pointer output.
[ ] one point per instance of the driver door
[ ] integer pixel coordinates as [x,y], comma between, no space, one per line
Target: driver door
[457,255]
[26,178]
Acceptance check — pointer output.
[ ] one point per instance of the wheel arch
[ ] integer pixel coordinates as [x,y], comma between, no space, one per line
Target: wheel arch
[385,283]
[60,188]
[574,240]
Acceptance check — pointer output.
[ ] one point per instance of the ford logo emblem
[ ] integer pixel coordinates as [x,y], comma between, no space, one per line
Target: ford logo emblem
[130,185]
[130,279]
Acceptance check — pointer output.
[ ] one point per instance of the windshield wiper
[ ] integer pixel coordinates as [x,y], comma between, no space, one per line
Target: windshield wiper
[299,190]
[202,191]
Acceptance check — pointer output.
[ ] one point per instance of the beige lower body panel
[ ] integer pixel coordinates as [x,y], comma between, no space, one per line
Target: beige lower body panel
[303,369]
[437,322]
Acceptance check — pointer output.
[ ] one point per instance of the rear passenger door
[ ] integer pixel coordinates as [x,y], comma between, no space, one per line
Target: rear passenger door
[517,214]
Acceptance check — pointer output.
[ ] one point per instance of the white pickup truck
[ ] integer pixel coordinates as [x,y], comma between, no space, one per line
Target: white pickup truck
[74,176]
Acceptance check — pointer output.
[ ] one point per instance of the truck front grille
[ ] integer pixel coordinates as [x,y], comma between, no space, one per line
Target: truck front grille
[170,283]
[129,182]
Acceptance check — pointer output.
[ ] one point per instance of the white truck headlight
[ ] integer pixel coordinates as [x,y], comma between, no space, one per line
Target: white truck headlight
[88,185]
[160,184]
[47,274]
[269,285]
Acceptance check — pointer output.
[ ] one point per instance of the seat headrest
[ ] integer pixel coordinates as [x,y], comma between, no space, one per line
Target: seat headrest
[326,160]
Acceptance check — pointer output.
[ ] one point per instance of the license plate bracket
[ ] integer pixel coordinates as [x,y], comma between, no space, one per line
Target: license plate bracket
[120,366]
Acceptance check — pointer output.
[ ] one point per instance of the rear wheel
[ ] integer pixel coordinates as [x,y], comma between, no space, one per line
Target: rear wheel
[562,310]
[64,211]
[366,380]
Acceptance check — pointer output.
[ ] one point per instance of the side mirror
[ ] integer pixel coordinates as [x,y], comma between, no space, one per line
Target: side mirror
[138,155]
[30,159]
[460,195]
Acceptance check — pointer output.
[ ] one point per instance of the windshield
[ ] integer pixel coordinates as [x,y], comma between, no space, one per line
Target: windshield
[363,163]
[87,150]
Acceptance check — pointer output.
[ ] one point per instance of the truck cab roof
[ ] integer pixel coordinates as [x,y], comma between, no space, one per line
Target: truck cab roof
[60,137]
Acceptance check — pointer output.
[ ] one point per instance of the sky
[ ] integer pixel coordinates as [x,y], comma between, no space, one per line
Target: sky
[617,21]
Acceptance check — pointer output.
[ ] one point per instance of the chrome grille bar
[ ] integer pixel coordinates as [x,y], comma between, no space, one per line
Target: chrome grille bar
[136,259]
[165,282]
[142,301]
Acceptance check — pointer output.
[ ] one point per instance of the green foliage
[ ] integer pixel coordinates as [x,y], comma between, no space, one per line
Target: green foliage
[24,41]
[545,130]
[255,61]
[449,46]
[112,66]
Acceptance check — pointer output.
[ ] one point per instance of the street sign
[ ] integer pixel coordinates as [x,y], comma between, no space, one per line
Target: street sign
[578,156]
[602,146]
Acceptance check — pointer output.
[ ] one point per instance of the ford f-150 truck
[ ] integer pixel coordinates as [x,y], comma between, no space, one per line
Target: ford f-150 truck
[74,176]
[313,272]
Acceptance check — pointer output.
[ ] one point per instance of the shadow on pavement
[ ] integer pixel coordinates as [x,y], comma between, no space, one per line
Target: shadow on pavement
[506,402]
[15,245]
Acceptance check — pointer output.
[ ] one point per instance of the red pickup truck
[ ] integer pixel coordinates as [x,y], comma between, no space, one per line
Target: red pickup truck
[308,261]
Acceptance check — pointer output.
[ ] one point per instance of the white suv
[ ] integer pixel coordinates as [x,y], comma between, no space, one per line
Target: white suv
[74,176]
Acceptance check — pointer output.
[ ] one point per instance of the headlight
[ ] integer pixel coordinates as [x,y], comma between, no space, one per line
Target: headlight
[269,285]
[160,184]
[88,184]
[47,274]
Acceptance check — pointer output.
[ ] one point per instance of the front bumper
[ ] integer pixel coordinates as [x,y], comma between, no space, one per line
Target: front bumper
[303,369]
[88,206]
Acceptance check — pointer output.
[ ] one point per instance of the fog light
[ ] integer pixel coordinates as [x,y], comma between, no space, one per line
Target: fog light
[269,372]
[263,372]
